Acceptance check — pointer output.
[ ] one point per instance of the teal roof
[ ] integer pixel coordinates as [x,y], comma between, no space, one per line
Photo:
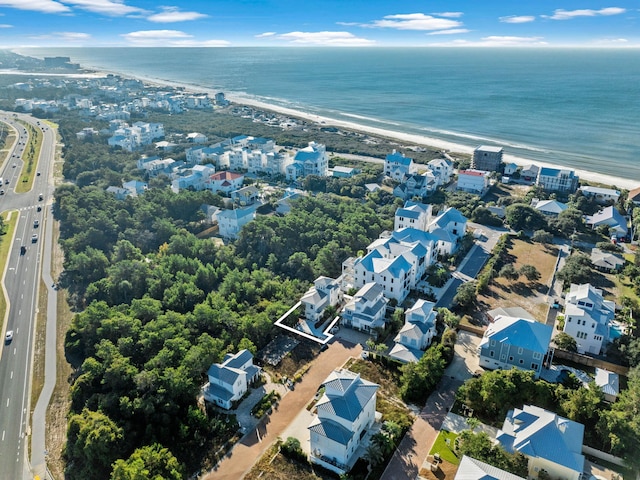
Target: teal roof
[521,332]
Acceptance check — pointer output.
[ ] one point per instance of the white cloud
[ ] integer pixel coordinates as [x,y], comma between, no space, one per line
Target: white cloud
[561,14]
[5,25]
[173,14]
[518,19]
[495,41]
[168,38]
[113,8]
[448,14]
[414,21]
[265,34]
[333,39]
[44,6]
[453,31]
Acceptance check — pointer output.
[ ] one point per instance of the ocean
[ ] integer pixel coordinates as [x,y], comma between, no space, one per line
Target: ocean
[574,107]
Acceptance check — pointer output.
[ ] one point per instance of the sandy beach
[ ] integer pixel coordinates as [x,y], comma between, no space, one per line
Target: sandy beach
[406,138]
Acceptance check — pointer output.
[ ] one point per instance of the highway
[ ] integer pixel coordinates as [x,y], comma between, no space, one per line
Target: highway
[21,282]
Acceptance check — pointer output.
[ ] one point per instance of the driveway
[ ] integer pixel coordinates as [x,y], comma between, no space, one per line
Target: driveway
[415,445]
[253,445]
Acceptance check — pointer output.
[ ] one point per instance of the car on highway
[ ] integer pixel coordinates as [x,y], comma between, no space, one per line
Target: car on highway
[36,223]
[8,337]
[34,238]
[39,208]
[23,249]
[40,197]
[6,182]
[38,174]
[14,165]
[1,192]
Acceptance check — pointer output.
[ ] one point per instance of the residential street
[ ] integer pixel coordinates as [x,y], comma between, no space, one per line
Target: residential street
[240,460]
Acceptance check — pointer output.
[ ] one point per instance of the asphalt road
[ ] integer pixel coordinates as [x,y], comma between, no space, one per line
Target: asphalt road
[21,281]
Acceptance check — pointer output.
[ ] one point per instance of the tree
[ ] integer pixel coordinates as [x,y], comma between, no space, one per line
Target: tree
[524,217]
[94,442]
[465,294]
[509,272]
[530,272]
[577,269]
[542,236]
[480,447]
[151,462]
[564,341]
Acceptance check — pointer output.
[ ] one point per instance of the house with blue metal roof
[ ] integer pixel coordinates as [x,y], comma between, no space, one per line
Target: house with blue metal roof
[229,380]
[609,382]
[311,160]
[416,334]
[344,414]
[515,342]
[397,166]
[366,310]
[550,442]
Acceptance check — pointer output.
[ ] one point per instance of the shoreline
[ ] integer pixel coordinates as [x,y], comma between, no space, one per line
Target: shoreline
[410,138]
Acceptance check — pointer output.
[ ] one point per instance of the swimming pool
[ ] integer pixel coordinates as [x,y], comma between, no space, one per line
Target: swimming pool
[615,331]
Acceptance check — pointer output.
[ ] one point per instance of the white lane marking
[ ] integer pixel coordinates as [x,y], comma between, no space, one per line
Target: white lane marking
[3,432]
[11,375]
[7,402]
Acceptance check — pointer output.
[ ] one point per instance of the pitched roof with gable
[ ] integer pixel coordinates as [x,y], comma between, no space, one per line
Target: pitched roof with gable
[521,332]
[225,175]
[634,195]
[550,206]
[610,216]
[607,260]
[397,157]
[449,215]
[405,354]
[369,291]
[608,381]
[472,469]
[536,432]
[224,374]
[332,430]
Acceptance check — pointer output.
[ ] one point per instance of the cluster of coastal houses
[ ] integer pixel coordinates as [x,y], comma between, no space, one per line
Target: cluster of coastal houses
[113,98]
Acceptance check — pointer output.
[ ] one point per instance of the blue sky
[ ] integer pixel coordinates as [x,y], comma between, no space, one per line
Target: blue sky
[86,23]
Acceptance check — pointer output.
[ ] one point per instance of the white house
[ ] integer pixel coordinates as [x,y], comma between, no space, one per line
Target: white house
[601,195]
[311,160]
[344,413]
[473,181]
[557,180]
[472,469]
[550,442]
[230,222]
[515,342]
[611,217]
[609,382]
[416,334]
[366,310]
[552,208]
[225,182]
[324,293]
[393,274]
[510,168]
[135,187]
[195,137]
[529,173]
[448,228]
[416,185]
[412,215]
[196,178]
[397,166]
[442,168]
[229,380]
[586,317]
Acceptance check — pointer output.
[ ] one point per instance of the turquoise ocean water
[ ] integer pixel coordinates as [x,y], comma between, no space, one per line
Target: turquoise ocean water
[579,108]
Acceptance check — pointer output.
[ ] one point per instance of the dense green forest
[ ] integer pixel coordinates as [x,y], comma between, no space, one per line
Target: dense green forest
[157,305]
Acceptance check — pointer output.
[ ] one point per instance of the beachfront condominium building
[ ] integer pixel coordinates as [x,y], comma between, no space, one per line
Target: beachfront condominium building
[344,414]
[557,180]
[487,158]
[586,317]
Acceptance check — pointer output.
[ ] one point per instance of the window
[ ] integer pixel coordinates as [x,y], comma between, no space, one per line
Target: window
[510,358]
[537,355]
[569,319]
[493,343]
[520,350]
[534,366]
[503,357]
[491,353]
[593,325]
[521,361]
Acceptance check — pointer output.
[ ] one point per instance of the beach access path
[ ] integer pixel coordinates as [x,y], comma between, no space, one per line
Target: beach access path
[255,443]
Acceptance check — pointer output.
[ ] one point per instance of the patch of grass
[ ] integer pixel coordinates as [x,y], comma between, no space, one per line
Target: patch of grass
[10,219]
[275,466]
[445,450]
[530,295]
[30,158]
[388,377]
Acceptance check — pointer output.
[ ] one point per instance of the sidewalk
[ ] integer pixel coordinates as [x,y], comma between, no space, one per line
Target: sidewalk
[253,445]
